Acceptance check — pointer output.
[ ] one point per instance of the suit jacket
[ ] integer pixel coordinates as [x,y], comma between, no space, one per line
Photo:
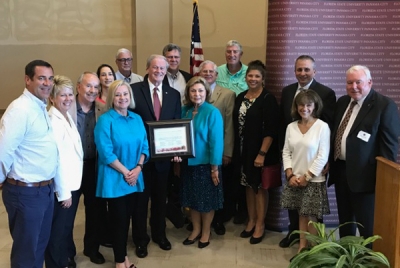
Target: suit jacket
[170,109]
[186,75]
[69,172]
[328,100]
[378,117]
[224,99]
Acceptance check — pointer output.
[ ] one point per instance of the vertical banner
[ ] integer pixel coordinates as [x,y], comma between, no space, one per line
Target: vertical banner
[337,34]
[196,51]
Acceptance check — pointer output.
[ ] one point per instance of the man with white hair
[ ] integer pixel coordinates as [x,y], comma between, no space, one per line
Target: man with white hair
[223,99]
[123,59]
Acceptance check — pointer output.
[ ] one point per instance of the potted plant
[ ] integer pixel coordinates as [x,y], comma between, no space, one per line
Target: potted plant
[346,252]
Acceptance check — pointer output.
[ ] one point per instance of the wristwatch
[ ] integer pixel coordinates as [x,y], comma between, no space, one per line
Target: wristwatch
[262,153]
[140,165]
[308,176]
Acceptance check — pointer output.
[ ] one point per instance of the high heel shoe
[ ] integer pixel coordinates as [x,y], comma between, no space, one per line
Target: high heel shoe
[256,240]
[187,241]
[247,234]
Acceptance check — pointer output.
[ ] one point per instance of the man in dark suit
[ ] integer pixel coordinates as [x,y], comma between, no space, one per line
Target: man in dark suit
[366,125]
[224,100]
[146,96]
[305,73]
[175,77]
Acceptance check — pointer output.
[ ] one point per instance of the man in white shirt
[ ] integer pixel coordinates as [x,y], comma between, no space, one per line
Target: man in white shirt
[28,160]
[123,59]
[175,77]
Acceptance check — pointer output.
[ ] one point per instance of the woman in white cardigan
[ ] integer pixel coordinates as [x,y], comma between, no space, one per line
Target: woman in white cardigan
[304,156]
[69,174]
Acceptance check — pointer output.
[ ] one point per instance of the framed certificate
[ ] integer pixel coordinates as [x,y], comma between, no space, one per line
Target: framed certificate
[171,138]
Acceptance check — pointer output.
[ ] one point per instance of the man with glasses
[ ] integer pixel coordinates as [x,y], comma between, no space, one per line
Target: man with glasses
[123,59]
[175,77]
[224,100]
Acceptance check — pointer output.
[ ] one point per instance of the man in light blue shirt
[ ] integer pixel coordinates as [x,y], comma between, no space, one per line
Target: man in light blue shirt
[28,160]
[232,74]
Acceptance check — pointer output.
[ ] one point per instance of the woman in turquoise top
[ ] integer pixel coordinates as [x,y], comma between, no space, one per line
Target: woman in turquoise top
[201,177]
[122,146]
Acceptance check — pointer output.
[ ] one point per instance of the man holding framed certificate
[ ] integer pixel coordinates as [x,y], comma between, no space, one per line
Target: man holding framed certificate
[149,96]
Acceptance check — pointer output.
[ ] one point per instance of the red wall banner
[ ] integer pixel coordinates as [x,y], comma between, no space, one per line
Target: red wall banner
[337,34]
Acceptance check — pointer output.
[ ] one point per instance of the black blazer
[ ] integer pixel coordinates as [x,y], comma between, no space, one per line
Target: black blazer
[261,121]
[378,117]
[328,100]
[170,109]
[186,75]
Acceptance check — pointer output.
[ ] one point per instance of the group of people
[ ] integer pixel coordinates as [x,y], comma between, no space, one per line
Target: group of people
[96,143]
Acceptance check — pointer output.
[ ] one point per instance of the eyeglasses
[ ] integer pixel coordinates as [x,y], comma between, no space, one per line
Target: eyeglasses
[124,60]
[207,71]
[173,57]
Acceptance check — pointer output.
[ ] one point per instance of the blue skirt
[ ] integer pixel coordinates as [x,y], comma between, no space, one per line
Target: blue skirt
[198,190]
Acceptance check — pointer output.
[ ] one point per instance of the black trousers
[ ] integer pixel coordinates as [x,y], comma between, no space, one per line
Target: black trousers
[156,184]
[353,207]
[61,233]
[120,210]
[232,191]
[95,209]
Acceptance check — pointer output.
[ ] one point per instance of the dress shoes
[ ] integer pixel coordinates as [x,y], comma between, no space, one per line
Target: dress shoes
[287,241]
[203,244]
[141,251]
[163,243]
[256,240]
[187,241]
[95,257]
[71,263]
[219,228]
[247,234]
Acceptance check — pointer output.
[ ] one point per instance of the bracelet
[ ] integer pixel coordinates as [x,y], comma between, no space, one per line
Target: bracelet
[140,165]
[290,176]
[262,153]
[307,176]
[214,170]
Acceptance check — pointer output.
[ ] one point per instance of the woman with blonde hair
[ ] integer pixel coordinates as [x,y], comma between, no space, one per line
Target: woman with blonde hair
[122,146]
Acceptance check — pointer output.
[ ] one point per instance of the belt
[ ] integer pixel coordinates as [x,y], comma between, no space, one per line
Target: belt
[29,184]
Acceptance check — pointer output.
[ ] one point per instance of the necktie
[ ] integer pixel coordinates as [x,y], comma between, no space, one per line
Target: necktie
[342,127]
[156,104]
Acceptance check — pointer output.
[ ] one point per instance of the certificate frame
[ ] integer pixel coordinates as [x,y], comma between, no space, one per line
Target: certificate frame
[169,138]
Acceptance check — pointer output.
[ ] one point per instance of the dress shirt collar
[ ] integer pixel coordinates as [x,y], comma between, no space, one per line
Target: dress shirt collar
[42,104]
[306,86]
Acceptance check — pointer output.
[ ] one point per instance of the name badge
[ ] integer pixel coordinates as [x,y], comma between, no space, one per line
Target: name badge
[363,136]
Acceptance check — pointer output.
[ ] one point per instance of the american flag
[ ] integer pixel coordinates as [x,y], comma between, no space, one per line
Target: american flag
[196,51]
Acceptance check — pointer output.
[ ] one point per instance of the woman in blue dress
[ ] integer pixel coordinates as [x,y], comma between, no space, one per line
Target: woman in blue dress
[202,186]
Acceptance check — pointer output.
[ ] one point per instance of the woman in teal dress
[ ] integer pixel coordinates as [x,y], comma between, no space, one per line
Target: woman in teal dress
[202,186]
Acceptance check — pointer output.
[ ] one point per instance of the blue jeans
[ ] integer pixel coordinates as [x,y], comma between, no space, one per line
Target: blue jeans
[30,213]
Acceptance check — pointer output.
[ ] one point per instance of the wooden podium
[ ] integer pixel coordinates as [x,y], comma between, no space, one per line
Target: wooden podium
[387,210]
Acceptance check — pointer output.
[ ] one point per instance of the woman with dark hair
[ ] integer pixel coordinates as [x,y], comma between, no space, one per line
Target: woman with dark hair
[304,155]
[201,177]
[256,146]
[106,75]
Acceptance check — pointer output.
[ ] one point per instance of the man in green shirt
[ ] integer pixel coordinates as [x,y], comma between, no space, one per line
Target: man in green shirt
[232,74]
